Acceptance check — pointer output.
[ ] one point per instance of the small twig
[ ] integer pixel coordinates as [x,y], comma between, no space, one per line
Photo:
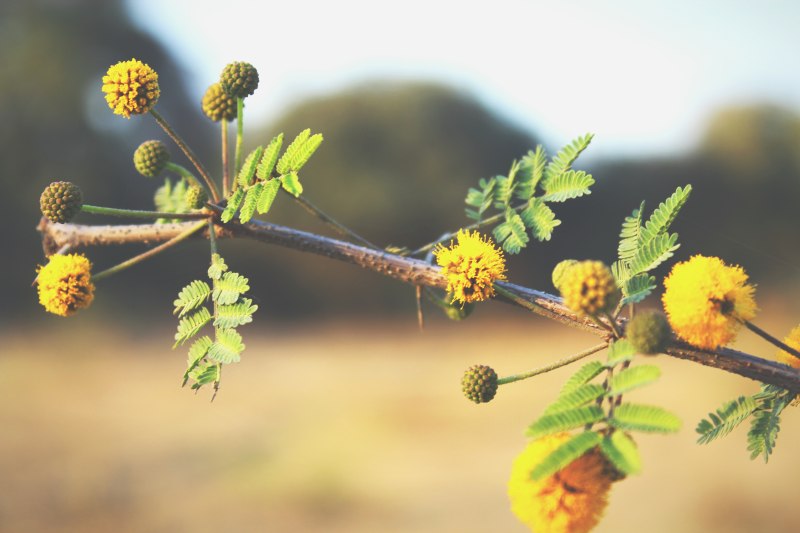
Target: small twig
[558,364]
[137,213]
[769,338]
[330,221]
[226,177]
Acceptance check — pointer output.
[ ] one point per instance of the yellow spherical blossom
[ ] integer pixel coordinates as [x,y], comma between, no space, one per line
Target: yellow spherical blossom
[570,501]
[131,87]
[706,300]
[588,288]
[65,284]
[792,341]
[471,266]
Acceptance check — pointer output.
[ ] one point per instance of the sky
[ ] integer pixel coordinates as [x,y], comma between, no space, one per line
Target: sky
[643,76]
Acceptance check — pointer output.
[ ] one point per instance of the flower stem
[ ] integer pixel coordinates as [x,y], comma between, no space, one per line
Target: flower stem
[330,221]
[239,134]
[225,170]
[184,173]
[769,338]
[188,151]
[212,236]
[553,366]
[150,253]
[135,213]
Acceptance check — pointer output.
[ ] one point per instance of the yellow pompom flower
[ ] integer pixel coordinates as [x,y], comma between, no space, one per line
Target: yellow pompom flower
[65,284]
[570,501]
[471,266]
[589,288]
[131,87]
[792,341]
[707,300]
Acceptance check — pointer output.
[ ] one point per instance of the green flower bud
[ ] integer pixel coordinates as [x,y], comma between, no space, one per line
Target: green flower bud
[239,79]
[217,105]
[61,201]
[150,158]
[649,332]
[196,197]
[479,383]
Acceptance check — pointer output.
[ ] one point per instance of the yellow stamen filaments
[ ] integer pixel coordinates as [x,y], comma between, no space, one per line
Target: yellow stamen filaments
[706,301]
[570,501]
[471,267]
[131,88]
[65,284]
[589,288]
[793,341]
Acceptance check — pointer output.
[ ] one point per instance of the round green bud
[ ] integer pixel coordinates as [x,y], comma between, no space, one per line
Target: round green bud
[217,105]
[648,331]
[239,79]
[559,271]
[196,197]
[479,383]
[150,158]
[61,201]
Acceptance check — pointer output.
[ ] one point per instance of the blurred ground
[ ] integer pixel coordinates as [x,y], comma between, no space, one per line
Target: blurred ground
[347,427]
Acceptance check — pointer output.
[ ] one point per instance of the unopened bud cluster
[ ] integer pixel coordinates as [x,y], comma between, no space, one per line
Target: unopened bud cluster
[479,383]
[61,201]
[150,158]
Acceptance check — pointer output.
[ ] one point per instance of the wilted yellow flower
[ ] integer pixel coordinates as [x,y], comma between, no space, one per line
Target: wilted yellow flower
[792,341]
[65,284]
[707,300]
[570,501]
[588,288]
[131,87]
[471,266]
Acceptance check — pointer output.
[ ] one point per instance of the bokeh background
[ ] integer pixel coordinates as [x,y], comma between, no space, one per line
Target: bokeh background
[342,416]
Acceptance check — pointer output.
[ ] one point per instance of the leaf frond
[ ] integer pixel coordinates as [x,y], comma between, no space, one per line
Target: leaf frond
[565,454]
[565,420]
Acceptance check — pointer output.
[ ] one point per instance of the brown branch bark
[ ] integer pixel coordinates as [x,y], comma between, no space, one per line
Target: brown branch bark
[405,269]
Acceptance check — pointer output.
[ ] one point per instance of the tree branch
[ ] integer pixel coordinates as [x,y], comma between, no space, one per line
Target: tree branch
[407,270]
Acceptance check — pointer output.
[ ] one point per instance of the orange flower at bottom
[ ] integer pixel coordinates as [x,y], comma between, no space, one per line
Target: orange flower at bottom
[570,501]
[65,284]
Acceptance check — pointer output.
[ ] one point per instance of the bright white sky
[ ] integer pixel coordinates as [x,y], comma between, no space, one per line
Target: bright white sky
[644,76]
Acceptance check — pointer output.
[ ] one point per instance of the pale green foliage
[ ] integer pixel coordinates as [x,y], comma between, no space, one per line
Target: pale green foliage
[234,202]
[250,202]
[270,157]
[248,170]
[585,374]
[725,419]
[231,309]
[619,351]
[299,152]
[643,247]
[268,193]
[565,454]
[291,183]
[171,199]
[557,181]
[565,420]
[632,378]
[577,397]
[647,418]
[622,452]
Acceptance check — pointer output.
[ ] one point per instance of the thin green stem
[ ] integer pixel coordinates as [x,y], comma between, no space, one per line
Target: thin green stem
[332,222]
[226,177]
[149,253]
[239,134]
[189,154]
[184,173]
[553,366]
[212,236]
[769,338]
[135,213]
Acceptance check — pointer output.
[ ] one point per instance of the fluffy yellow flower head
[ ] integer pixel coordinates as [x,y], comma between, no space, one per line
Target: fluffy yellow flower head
[471,266]
[793,341]
[131,87]
[65,284]
[588,288]
[570,501]
[706,300]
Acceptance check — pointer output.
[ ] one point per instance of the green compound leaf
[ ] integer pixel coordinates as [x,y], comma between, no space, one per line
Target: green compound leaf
[169,199]
[633,378]
[540,219]
[511,233]
[227,347]
[654,252]
[637,288]
[506,187]
[250,202]
[725,419]
[563,160]
[228,288]
[286,160]
[305,152]
[619,351]
[565,454]
[190,325]
[578,397]
[585,374]
[217,267]
[196,353]
[270,157]
[291,184]
[234,202]
[531,171]
[664,215]
[648,418]
[565,420]
[267,196]
[235,315]
[765,424]
[248,170]
[631,235]
[481,199]
[203,374]
[191,296]
[570,184]
[622,452]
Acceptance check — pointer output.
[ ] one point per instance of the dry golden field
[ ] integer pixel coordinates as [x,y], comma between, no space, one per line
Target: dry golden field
[341,427]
